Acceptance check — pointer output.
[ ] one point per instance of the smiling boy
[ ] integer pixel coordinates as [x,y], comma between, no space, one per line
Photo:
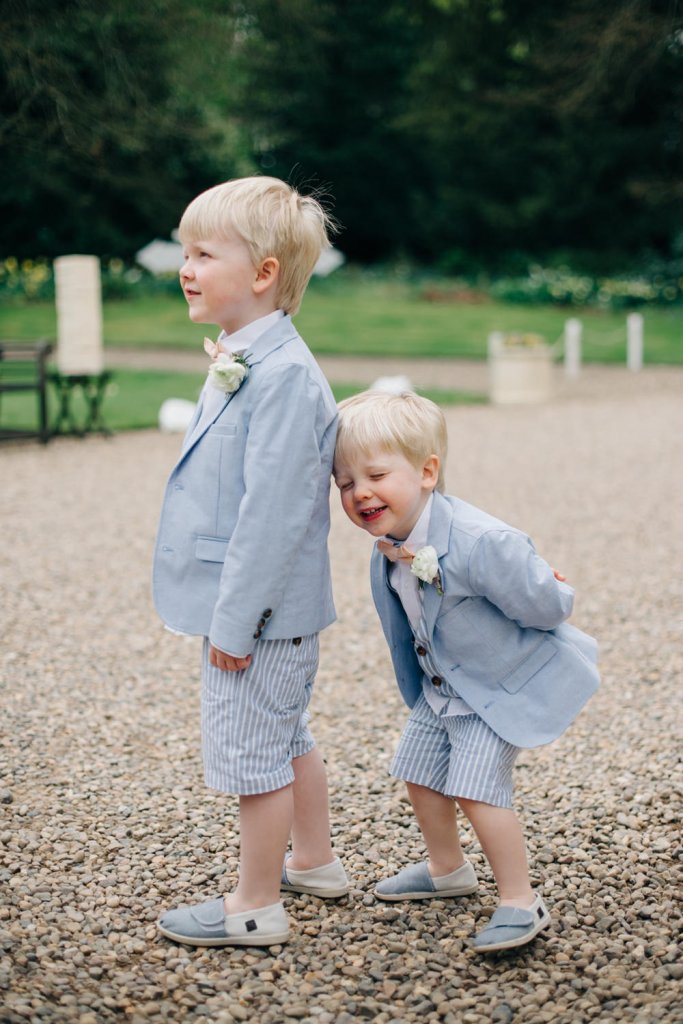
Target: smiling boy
[241,556]
[474,619]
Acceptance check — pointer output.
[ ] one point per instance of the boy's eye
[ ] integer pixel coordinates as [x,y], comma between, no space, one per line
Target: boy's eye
[377,476]
[344,485]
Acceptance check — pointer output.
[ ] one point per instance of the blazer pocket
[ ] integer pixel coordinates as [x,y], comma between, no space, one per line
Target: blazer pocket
[224,429]
[535,661]
[211,549]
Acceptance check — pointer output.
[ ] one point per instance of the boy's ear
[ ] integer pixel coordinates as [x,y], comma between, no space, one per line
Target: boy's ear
[430,472]
[267,274]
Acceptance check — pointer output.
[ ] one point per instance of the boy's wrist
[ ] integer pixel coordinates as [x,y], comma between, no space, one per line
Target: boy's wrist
[229,654]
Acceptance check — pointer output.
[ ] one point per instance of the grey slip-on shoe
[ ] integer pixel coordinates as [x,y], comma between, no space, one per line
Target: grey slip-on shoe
[416,883]
[207,924]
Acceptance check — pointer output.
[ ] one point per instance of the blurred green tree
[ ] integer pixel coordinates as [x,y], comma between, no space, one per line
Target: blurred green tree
[112,115]
[560,125]
[466,130]
[327,86]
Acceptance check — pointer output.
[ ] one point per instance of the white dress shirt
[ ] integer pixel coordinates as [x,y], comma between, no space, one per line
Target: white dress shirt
[212,399]
[407,586]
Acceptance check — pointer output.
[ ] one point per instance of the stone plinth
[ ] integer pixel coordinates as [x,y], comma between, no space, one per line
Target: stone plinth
[520,369]
[79,316]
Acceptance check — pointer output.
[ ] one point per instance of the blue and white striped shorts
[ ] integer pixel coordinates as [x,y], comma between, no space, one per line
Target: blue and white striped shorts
[459,756]
[256,721]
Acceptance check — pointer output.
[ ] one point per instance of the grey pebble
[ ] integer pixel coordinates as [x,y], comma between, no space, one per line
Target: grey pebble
[106,821]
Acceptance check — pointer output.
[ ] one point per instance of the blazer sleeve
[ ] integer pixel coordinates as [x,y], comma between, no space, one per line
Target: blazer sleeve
[505,568]
[282,477]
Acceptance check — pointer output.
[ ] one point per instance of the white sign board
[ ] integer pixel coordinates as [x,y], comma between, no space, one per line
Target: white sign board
[79,316]
[160,257]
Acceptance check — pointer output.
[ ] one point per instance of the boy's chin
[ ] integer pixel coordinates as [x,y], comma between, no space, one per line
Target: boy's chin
[196,317]
[374,529]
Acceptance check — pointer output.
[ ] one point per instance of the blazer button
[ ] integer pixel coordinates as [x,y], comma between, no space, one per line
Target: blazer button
[296,641]
[437,680]
[257,634]
[267,613]
[261,623]
[421,651]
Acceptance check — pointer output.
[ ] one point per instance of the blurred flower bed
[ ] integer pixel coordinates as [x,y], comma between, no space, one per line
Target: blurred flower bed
[659,284]
[33,280]
[662,285]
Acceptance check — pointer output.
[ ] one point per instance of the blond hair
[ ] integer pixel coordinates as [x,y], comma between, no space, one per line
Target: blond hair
[273,219]
[407,423]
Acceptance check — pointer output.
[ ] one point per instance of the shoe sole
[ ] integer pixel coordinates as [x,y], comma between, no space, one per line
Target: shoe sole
[439,894]
[309,890]
[514,943]
[230,940]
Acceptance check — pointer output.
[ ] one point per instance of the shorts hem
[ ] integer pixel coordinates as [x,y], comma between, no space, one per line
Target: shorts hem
[482,796]
[252,788]
[301,749]
[263,784]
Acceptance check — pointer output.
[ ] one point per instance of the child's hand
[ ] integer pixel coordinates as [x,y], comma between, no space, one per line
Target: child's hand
[227,662]
[559,576]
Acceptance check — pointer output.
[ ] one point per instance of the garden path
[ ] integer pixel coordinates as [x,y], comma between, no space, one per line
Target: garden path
[594,381]
[106,820]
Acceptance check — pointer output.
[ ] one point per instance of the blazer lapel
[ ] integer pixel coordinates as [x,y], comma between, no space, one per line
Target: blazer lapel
[272,339]
[438,537]
[197,434]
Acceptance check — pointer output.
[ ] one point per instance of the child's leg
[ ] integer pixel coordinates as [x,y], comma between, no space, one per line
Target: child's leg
[437,817]
[500,834]
[265,824]
[311,844]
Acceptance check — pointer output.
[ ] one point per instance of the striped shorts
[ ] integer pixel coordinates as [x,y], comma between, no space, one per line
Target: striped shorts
[256,721]
[459,756]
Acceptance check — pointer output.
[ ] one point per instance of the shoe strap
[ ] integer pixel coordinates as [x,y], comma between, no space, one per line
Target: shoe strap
[516,917]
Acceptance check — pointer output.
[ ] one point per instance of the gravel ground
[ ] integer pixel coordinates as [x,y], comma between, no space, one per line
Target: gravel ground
[106,821]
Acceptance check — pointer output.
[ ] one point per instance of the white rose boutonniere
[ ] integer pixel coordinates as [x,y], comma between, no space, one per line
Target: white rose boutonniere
[425,566]
[227,372]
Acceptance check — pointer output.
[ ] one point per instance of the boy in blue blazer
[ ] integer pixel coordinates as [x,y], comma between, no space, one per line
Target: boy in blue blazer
[241,555]
[475,622]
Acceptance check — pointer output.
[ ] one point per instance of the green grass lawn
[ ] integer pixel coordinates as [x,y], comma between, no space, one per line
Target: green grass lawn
[134,397]
[373,317]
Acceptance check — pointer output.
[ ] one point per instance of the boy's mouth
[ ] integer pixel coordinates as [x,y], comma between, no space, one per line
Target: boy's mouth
[368,515]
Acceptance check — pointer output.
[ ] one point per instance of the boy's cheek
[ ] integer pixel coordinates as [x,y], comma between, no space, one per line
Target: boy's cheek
[347,506]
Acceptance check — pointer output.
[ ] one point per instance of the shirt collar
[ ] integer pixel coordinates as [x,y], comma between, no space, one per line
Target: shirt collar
[239,341]
[417,538]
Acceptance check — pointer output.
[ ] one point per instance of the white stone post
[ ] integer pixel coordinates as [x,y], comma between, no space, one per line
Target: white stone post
[520,371]
[494,343]
[573,330]
[634,341]
[79,316]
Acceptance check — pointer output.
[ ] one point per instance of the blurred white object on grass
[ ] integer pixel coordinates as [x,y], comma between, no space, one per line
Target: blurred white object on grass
[160,257]
[393,385]
[329,260]
[175,415]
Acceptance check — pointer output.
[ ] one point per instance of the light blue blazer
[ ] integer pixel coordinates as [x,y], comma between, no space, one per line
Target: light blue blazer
[497,634]
[241,548]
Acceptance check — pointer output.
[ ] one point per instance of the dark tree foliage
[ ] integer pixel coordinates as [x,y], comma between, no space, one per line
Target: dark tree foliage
[329,83]
[475,128]
[560,126]
[103,140]
[457,131]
